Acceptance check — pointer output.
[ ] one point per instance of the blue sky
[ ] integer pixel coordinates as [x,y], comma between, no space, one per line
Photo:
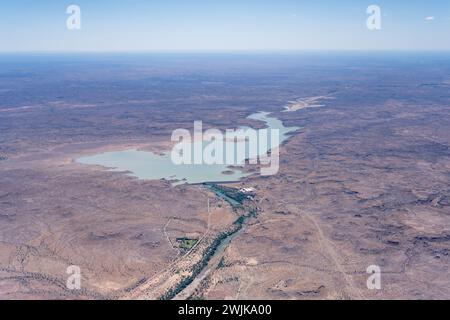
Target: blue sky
[196,25]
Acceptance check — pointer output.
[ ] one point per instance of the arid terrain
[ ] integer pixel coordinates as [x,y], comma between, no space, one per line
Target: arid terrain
[364,181]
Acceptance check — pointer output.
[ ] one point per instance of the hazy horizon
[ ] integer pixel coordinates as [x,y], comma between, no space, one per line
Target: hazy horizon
[231,26]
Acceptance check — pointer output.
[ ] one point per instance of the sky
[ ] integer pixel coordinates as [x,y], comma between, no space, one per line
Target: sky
[223,25]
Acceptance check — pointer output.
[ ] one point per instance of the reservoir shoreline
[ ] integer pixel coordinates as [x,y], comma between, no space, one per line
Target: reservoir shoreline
[147,165]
